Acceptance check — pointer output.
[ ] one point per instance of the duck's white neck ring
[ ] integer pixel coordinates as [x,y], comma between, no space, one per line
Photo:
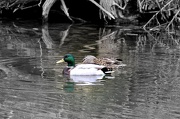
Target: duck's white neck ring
[70,66]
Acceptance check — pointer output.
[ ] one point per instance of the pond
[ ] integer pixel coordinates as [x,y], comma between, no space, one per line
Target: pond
[32,85]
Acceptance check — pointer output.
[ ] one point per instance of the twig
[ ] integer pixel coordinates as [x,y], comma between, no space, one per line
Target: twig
[65,9]
[122,8]
[144,27]
[23,8]
[140,5]
[173,18]
[100,7]
[39,4]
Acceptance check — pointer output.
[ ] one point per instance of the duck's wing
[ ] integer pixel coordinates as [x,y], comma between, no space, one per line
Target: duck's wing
[100,68]
[110,63]
[87,69]
[88,66]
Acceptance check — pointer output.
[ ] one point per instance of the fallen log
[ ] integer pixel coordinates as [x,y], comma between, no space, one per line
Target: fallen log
[109,9]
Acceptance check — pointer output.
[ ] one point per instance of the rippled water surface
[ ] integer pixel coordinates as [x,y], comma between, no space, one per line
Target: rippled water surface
[33,87]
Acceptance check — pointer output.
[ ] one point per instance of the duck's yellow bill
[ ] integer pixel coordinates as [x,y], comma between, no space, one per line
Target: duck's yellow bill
[60,61]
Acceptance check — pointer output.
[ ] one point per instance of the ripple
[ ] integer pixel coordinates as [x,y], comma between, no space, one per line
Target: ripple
[32,85]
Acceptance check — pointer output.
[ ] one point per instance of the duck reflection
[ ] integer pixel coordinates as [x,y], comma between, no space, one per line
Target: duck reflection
[86,80]
[73,81]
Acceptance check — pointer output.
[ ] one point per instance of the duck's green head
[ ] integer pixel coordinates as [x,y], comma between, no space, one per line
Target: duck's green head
[69,58]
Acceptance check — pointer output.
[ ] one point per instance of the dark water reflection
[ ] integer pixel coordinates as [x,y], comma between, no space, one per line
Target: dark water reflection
[32,86]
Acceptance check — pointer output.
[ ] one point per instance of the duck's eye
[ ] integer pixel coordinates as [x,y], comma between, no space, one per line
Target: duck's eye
[65,56]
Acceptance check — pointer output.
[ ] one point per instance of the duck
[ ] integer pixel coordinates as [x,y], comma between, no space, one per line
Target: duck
[110,63]
[83,68]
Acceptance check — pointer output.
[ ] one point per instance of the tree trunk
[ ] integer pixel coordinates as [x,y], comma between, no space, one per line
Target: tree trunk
[46,8]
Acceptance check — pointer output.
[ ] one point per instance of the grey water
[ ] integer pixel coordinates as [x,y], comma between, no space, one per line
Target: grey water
[32,85]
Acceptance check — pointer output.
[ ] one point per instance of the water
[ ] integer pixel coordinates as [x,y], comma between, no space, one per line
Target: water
[32,86]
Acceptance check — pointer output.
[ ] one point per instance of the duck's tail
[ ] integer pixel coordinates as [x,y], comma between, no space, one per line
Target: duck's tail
[107,71]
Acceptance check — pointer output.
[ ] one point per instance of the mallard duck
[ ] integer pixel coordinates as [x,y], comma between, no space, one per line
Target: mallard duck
[110,64]
[81,69]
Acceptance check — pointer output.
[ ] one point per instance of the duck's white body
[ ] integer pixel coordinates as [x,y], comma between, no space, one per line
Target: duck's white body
[87,69]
